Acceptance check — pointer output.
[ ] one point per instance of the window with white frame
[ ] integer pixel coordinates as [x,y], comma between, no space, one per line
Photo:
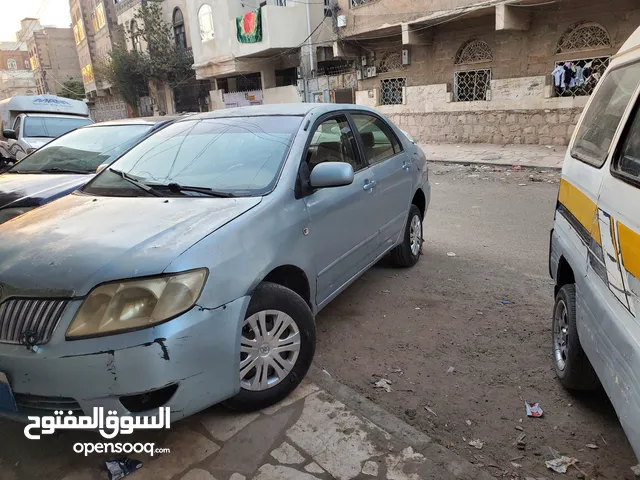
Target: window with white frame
[392,91]
[471,85]
[205,20]
[12,64]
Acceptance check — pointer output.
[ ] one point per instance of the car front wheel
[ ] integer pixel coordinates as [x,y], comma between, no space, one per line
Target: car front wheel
[277,345]
[571,363]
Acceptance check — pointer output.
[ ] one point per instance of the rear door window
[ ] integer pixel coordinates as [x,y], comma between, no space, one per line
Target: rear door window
[626,164]
[377,138]
[603,116]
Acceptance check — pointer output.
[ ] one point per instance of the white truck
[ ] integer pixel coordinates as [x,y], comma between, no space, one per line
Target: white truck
[29,122]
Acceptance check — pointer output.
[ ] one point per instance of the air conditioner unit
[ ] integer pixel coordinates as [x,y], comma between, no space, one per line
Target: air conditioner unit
[373,72]
[364,60]
[359,74]
[406,57]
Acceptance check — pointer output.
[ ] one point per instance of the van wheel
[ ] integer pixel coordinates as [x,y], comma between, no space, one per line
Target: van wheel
[408,252]
[277,344]
[571,363]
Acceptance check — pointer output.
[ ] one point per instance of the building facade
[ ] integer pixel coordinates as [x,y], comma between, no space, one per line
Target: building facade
[52,56]
[471,71]
[95,31]
[258,55]
[16,77]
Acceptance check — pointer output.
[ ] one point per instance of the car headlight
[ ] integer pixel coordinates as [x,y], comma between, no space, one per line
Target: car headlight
[116,307]
[9,213]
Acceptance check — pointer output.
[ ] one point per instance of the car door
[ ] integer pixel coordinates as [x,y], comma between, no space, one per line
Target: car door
[343,226]
[391,168]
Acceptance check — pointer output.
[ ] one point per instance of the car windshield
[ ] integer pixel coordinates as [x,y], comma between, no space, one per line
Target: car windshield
[239,156]
[83,150]
[52,127]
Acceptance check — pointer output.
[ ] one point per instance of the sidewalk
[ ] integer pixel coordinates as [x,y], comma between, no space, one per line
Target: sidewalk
[311,435]
[536,156]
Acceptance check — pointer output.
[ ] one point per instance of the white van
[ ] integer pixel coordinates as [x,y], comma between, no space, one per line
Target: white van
[29,122]
[595,245]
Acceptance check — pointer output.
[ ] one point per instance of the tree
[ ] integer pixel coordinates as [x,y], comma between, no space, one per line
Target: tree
[129,71]
[73,89]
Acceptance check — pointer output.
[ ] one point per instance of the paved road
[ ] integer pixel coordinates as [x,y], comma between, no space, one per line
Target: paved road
[446,315]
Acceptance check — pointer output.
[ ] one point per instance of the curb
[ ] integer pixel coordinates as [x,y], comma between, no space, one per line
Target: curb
[496,164]
[458,467]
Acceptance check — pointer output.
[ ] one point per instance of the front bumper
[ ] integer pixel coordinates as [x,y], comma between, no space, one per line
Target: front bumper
[198,351]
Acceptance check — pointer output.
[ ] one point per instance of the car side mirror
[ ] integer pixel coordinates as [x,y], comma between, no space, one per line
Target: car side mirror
[331,174]
[8,133]
[101,167]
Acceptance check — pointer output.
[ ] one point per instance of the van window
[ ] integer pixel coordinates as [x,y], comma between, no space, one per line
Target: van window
[627,162]
[601,120]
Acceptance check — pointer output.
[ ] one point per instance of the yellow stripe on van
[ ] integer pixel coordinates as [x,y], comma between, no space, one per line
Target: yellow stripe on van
[630,249]
[582,207]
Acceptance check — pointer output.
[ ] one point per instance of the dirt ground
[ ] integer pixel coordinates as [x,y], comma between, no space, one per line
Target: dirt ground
[465,340]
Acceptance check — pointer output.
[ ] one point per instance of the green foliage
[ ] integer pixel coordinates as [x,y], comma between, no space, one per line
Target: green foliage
[155,57]
[73,89]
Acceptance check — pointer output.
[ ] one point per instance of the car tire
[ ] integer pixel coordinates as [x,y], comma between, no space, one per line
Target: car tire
[569,360]
[406,254]
[277,304]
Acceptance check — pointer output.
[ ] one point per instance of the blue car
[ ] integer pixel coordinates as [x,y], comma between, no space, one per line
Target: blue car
[68,162]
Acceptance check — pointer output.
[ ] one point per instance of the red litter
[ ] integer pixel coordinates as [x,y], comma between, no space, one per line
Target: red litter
[533,410]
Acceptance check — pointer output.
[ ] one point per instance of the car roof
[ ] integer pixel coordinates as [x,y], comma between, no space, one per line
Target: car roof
[137,121]
[282,109]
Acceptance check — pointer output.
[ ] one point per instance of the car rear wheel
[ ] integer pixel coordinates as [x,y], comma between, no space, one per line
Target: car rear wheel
[277,345]
[408,252]
[571,363]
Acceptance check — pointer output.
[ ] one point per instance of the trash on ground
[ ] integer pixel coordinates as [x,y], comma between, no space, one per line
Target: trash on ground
[519,428]
[560,465]
[636,470]
[396,370]
[477,444]
[386,291]
[122,467]
[430,411]
[516,465]
[592,446]
[517,167]
[522,184]
[468,422]
[383,384]
[451,254]
[533,410]
[520,443]
[417,308]
[504,302]
[451,369]
[325,372]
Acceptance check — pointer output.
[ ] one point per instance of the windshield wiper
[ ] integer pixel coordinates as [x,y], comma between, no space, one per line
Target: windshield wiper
[63,170]
[137,183]
[176,187]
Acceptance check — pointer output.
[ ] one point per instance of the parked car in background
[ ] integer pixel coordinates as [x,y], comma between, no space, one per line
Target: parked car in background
[69,162]
[189,272]
[594,256]
[29,122]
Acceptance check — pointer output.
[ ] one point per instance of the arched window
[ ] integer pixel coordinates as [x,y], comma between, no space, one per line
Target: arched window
[12,64]
[135,36]
[584,36]
[205,20]
[474,51]
[178,28]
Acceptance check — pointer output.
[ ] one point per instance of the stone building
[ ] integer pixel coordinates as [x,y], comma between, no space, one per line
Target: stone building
[481,71]
[95,31]
[16,77]
[52,55]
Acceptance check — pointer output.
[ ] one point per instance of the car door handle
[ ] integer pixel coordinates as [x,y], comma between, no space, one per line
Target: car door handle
[368,185]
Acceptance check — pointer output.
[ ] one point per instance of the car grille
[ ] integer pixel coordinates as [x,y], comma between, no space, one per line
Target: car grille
[38,404]
[19,315]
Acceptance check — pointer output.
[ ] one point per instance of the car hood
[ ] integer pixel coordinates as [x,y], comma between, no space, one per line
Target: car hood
[37,142]
[70,245]
[33,189]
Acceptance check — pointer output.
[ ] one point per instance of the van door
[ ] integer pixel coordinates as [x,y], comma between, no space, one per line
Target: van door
[15,148]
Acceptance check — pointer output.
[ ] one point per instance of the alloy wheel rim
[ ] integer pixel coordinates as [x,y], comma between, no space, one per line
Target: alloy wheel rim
[415,235]
[269,349]
[561,335]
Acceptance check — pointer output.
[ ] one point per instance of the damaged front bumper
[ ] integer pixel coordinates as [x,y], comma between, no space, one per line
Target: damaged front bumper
[187,364]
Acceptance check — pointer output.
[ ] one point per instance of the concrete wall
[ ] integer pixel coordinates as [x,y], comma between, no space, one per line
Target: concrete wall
[276,95]
[56,52]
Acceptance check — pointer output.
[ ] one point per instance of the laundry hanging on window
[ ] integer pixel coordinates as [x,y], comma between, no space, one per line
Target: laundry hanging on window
[249,27]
